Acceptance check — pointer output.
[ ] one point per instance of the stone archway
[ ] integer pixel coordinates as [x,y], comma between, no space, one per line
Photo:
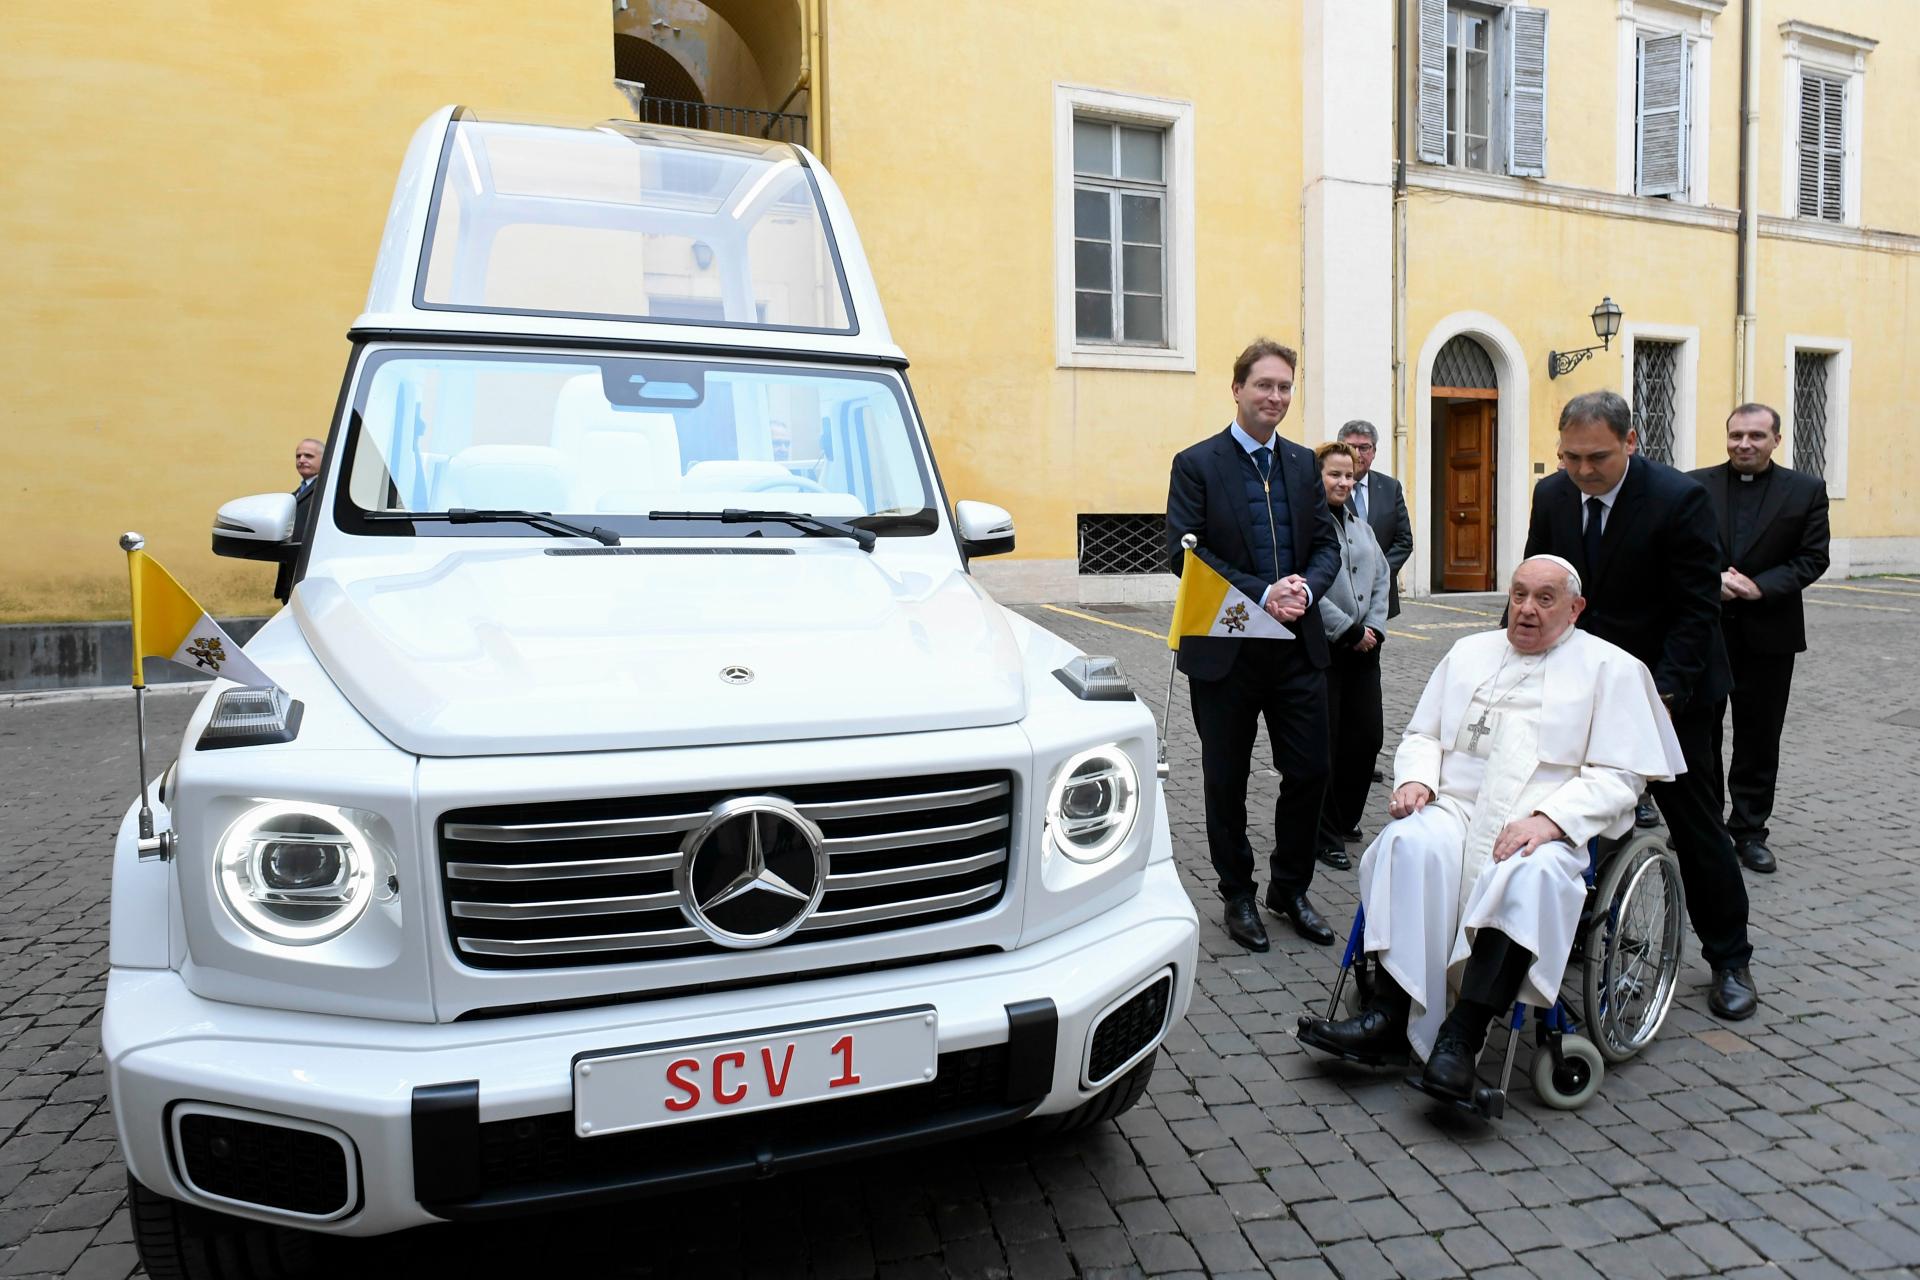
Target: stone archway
[734,60]
[1513,476]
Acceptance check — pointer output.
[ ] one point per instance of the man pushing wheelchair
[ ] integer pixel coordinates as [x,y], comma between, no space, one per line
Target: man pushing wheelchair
[1526,744]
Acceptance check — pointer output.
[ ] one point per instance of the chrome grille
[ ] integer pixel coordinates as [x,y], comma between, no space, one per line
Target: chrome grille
[591,882]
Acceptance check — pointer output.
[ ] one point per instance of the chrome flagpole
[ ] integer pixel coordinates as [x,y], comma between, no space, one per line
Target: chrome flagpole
[1187,543]
[151,846]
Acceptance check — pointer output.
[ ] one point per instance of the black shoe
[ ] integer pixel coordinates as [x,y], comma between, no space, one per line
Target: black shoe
[1243,923]
[1356,834]
[1732,995]
[1755,856]
[1300,913]
[1645,815]
[1375,1038]
[1337,859]
[1449,1068]
[1379,776]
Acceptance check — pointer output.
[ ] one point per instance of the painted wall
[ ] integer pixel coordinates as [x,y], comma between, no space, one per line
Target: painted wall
[956,212]
[187,229]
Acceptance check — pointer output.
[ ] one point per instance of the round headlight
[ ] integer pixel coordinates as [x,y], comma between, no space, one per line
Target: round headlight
[295,873]
[1091,809]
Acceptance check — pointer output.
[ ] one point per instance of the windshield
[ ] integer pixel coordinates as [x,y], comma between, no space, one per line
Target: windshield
[625,222]
[608,439]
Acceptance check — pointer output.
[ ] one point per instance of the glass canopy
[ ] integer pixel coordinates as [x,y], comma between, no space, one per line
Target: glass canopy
[630,222]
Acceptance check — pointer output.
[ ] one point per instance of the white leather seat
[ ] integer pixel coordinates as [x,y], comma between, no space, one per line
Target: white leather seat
[616,452]
[526,477]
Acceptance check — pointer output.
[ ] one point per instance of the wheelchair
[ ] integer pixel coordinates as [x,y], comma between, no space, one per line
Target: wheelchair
[1628,955]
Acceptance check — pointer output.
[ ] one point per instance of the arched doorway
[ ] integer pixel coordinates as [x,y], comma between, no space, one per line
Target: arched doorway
[1501,420]
[1466,457]
[732,66]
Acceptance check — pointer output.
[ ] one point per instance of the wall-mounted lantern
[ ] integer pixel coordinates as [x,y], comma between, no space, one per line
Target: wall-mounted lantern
[1606,323]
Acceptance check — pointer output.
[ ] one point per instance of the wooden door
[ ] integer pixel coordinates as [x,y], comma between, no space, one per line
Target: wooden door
[1467,545]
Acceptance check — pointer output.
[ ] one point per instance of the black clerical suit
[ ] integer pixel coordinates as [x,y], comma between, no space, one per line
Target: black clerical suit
[1234,683]
[1655,592]
[302,523]
[1384,503]
[1773,528]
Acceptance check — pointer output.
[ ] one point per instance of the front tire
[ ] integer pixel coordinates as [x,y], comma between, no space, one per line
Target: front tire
[1110,1103]
[1574,1080]
[185,1242]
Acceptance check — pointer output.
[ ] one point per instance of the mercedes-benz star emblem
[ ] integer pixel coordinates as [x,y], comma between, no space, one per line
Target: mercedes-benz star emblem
[753,873]
[734,673]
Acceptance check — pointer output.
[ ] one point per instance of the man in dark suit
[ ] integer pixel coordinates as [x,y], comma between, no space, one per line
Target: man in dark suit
[1773,542]
[306,462]
[1644,538]
[1379,500]
[1256,504]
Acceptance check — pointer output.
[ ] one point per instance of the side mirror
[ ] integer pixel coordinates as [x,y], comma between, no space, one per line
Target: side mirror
[985,530]
[256,528]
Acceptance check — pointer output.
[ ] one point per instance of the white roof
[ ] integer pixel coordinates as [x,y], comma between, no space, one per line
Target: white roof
[625,232]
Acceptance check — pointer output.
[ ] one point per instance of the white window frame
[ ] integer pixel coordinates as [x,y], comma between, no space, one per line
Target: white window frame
[1832,53]
[1686,382]
[1839,383]
[1693,19]
[1176,118]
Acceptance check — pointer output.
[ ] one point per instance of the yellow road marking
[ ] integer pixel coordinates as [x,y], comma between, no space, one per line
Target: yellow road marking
[1406,635]
[1871,591]
[1448,626]
[1106,622]
[1842,604]
[1894,577]
[1428,604]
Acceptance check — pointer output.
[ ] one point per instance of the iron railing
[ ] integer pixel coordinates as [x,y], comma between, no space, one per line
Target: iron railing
[746,122]
[1655,371]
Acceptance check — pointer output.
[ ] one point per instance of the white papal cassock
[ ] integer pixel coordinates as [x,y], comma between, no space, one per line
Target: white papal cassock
[1572,733]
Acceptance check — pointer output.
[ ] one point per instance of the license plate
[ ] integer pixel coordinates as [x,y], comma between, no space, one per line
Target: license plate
[667,1084]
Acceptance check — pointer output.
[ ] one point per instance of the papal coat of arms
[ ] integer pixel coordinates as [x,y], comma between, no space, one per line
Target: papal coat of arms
[1235,619]
[208,652]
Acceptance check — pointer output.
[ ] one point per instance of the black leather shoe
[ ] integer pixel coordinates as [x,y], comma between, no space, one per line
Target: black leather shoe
[1755,856]
[1300,914]
[1337,859]
[1645,815]
[1375,1038]
[1732,995]
[1449,1068]
[1356,834]
[1243,923]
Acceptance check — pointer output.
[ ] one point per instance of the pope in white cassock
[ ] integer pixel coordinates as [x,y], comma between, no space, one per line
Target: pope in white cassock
[1526,743]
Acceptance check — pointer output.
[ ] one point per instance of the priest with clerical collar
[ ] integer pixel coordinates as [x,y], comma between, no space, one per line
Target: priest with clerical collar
[1527,743]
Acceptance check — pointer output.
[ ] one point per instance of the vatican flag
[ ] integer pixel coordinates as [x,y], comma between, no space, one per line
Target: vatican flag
[168,623]
[1209,605]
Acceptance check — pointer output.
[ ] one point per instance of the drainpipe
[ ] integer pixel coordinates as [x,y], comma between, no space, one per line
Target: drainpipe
[1400,407]
[812,54]
[1747,319]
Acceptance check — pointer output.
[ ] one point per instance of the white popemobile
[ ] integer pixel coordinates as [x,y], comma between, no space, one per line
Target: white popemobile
[650,797]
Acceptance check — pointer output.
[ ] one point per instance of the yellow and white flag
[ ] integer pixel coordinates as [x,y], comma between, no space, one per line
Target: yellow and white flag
[1209,605]
[168,623]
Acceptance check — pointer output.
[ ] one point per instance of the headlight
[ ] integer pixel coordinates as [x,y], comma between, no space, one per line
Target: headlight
[1091,810]
[295,873]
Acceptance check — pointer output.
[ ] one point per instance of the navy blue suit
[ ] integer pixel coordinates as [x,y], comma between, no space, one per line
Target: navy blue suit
[1235,683]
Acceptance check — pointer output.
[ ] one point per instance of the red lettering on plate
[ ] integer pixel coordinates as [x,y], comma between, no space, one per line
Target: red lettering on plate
[676,1078]
[721,1094]
[777,1085]
[844,1048]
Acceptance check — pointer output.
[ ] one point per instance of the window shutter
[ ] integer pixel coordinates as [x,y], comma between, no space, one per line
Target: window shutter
[1809,202]
[1833,149]
[1432,132]
[1662,150]
[1526,90]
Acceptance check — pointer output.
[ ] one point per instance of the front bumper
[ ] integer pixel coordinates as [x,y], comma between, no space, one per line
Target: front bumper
[487,1105]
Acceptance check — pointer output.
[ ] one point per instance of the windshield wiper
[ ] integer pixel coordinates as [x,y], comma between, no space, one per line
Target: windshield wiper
[813,526]
[537,519]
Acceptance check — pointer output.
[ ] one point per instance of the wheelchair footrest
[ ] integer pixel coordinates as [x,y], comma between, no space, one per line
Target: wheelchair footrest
[1485,1101]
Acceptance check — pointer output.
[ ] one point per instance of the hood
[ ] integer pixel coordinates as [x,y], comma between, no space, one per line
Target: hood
[498,652]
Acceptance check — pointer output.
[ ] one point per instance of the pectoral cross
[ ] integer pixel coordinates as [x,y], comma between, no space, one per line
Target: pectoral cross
[1478,730]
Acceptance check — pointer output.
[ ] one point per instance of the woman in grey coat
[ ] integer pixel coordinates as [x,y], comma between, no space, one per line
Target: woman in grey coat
[1354,612]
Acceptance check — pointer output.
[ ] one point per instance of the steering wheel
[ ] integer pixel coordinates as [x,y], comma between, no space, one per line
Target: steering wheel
[800,484]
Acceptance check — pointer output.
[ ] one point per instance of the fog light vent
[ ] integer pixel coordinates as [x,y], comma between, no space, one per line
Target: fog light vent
[269,1162]
[1125,1032]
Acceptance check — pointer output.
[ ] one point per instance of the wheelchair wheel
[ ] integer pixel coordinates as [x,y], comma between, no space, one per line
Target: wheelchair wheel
[1632,948]
[1576,1079]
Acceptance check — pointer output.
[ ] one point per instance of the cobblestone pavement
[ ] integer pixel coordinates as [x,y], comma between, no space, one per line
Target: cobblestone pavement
[1788,1144]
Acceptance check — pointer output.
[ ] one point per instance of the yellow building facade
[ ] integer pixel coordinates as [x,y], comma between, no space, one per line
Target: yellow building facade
[1078,213]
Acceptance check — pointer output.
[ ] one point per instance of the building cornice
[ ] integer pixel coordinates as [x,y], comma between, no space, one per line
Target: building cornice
[1795,30]
[1816,231]
[1590,200]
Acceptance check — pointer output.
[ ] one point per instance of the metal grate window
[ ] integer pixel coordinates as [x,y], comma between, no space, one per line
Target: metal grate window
[1123,544]
[1654,374]
[1811,372]
[1464,363]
